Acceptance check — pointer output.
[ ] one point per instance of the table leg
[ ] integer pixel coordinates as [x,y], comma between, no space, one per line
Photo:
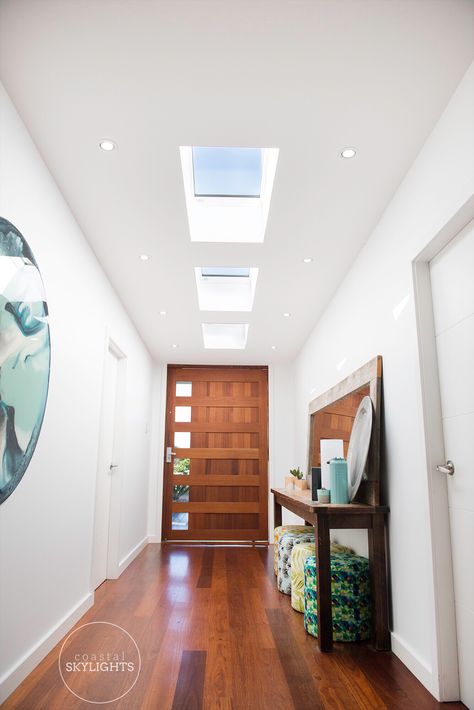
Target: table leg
[378,580]
[323,572]
[276,512]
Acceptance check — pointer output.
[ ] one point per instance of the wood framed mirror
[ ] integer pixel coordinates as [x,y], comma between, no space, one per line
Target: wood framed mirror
[332,414]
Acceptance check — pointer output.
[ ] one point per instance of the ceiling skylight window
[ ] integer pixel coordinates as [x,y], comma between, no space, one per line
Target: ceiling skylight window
[225,288]
[228,192]
[224,272]
[227,172]
[225,336]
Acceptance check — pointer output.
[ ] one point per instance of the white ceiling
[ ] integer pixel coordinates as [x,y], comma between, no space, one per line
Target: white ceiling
[306,77]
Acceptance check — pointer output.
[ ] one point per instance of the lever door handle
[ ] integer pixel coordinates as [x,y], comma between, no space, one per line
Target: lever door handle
[169,454]
[447,468]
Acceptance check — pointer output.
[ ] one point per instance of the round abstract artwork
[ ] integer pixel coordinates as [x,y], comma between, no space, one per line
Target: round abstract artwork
[24,356]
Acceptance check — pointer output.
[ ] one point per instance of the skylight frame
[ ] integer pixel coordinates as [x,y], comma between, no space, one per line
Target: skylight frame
[226,293]
[228,219]
[211,337]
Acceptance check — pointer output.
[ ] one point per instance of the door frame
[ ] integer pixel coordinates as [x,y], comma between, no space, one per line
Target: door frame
[113,566]
[446,658]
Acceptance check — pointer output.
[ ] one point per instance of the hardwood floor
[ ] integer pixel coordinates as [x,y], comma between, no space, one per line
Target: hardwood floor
[215,633]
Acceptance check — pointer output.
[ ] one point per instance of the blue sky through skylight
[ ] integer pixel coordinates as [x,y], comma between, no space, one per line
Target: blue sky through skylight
[227,172]
[225,271]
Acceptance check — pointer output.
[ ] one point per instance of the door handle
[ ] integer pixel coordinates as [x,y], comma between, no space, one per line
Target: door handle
[447,468]
[112,466]
[169,454]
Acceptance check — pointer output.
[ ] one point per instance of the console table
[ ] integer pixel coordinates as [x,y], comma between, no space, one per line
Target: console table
[353,516]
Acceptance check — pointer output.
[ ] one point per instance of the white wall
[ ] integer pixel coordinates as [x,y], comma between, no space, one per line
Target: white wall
[46,525]
[281,416]
[373,313]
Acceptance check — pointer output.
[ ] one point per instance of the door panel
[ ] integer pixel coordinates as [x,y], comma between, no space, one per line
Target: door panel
[452,286]
[104,473]
[216,486]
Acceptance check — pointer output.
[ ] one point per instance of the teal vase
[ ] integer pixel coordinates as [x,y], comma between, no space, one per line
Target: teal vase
[339,484]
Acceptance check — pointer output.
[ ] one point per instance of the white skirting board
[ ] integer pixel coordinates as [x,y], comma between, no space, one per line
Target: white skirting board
[414,664]
[128,559]
[14,676]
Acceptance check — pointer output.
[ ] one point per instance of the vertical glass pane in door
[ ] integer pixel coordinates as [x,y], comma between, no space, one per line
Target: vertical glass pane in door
[182,439]
[181,466]
[182,414]
[181,493]
[179,521]
[184,389]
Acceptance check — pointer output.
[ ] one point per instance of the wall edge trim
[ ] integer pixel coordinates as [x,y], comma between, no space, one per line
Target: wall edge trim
[415,664]
[28,662]
[130,556]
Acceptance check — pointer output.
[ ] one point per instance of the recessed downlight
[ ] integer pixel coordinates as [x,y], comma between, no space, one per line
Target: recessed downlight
[175,345]
[286,314]
[107,145]
[274,347]
[144,257]
[163,313]
[348,153]
[307,260]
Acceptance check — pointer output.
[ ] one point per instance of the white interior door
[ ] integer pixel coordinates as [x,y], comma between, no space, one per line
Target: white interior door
[452,285]
[106,469]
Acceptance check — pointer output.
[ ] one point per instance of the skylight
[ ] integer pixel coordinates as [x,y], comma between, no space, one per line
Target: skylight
[225,288]
[225,336]
[224,272]
[225,203]
[227,172]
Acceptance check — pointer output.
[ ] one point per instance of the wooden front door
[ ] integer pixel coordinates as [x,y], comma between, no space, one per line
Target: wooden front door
[216,454]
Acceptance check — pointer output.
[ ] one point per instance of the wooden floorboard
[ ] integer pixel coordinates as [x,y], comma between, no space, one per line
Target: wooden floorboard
[190,684]
[304,693]
[205,577]
[214,633]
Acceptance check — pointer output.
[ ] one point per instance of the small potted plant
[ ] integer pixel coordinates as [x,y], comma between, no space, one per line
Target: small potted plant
[296,479]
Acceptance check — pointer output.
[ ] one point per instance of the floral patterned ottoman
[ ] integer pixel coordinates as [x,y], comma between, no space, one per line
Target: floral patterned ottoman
[281,530]
[285,547]
[351,603]
[299,554]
